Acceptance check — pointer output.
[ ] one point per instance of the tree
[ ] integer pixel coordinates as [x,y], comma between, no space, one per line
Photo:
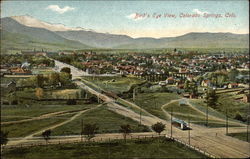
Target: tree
[65,78]
[66,70]
[40,80]
[233,74]
[239,117]
[39,93]
[89,130]
[4,137]
[126,130]
[158,127]
[46,135]
[211,98]
[54,78]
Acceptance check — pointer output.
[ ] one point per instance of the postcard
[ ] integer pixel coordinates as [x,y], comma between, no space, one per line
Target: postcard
[125,79]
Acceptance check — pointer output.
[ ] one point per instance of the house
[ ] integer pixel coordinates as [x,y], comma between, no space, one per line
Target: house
[233,85]
[206,83]
[20,71]
[189,95]
[170,80]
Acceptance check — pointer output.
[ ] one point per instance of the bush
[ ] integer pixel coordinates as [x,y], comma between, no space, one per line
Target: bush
[71,102]
[239,117]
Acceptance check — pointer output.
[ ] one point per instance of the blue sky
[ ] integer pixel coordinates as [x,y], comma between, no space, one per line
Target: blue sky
[119,16]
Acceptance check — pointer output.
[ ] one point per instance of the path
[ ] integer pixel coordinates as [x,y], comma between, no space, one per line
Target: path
[44,116]
[24,139]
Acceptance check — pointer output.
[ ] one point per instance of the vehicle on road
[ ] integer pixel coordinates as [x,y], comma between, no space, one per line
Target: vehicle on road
[180,124]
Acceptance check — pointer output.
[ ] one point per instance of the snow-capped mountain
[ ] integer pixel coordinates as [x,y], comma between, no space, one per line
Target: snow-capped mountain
[33,22]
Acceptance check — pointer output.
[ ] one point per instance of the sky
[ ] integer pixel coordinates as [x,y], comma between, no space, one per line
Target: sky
[139,18]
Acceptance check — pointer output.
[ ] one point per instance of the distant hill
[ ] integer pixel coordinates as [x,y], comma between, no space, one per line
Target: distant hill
[15,35]
[22,32]
[193,40]
[101,40]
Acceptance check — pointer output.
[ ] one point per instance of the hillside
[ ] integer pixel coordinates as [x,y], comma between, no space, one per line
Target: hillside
[17,36]
[193,40]
[26,32]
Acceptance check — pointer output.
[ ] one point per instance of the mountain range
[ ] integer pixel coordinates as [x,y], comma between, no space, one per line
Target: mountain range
[26,32]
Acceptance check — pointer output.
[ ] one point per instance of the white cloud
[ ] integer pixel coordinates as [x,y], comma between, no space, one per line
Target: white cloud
[199,12]
[136,17]
[59,10]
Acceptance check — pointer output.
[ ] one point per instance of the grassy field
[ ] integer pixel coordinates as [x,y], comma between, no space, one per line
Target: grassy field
[115,84]
[129,106]
[26,128]
[241,136]
[143,148]
[107,121]
[152,102]
[227,102]
[186,112]
[36,110]
[42,71]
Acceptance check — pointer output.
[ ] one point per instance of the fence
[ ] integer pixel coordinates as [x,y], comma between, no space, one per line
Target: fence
[79,140]
[106,139]
[192,147]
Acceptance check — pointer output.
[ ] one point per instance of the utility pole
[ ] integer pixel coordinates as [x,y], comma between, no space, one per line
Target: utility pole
[207,115]
[248,128]
[140,115]
[226,123]
[134,94]
[189,128]
[171,122]
[82,130]
[207,109]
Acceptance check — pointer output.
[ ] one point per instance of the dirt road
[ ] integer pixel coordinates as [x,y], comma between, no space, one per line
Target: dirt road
[26,138]
[203,137]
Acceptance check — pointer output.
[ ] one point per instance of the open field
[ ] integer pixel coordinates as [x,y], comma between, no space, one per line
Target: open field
[11,113]
[26,128]
[241,136]
[152,102]
[107,121]
[227,102]
[186,113]
[143,148]
[115,84]
[42,70]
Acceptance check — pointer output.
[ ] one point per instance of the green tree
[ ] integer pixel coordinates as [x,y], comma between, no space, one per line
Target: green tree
[158,127]
[89,130]
[40,80]
[233,74]
[4,137]
[66,70]
[54,78]
[125,130]
[64,78]
[211,98]
[187,85]
[46,135]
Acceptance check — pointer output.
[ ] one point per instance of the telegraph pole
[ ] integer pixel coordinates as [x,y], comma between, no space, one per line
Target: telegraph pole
[171,122]
[207,115]
[82,130]
[226,123]
[248,128]
[140,115]
[189,128]
[134,94]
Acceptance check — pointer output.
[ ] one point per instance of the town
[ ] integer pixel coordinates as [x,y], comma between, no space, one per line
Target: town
[124,80]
